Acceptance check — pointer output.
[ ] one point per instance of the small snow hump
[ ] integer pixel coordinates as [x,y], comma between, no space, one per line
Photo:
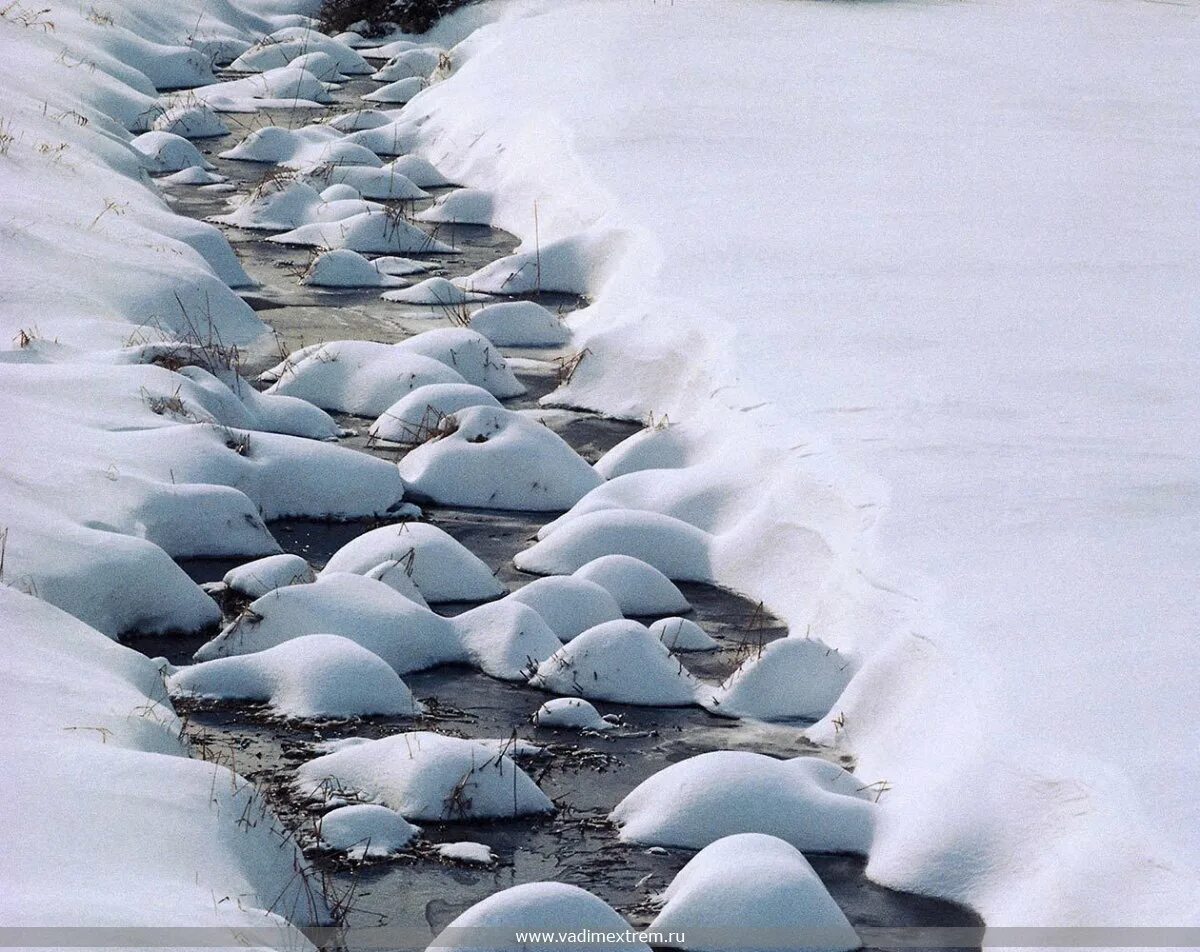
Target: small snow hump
[569,605]
[366,831]
[571,713]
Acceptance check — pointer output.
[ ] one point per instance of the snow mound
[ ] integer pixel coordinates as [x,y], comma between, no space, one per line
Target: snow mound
[311,676]
[366,831]
[378,232]
[286,87]
[443,569]
[378,183]
[426,776]
[343,268]
[506,639]
[811,803]
[191,121]
[193,176]
[572,713]
[396,576]
[494,458]
[436,292]
[389,50]
[463,206]
[618,661]
[417,416]
[167,152]
[419,63]
[570,266]
[756,880]
[569,605]
[675,548]
[470,354]
[339,193]
[398,137]
[681,634]
[520,324]
[359,377]
[793,678]
[255,579]
[360,119]
[474,854]
[314,147]
[639,588]
[368,612]
[396,93]
[549,908]
[321,65]
[278,51]
[281,204]
[420,171]
[656,447]
[401,267]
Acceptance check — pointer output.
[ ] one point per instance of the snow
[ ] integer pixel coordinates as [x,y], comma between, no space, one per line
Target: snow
[570,606]
[321,65]
[519,324]
[315,676]
[572,713]
[167,152]
[359,119]
[344,268]
[312,147]
[756,882]
[192,121]
[637,587]
[417,415]
[816,806]
[284,47]
[793,678]
[426,776]
[193,175]
[549,908]
[396,138]
[473,854]
[394,573]
[420,63]
[470,354]
[285,87]
[279,204]
[437,292]
[397,93]
[384,182]
[419,171]
[489,457]
[569,266]
[618,661]
[366,831]
[255,579]
[678,550]
[682,634]
[656,447]
[380,232]
[506,639]
[464,206]
[442,568]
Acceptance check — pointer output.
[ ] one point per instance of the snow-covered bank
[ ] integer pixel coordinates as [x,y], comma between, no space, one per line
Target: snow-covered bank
[917,282]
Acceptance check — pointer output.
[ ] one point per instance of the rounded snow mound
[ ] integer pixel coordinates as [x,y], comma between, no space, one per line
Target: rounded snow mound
[757,879]
[465,851]
[315,676]
[436,292]
[441,567]
[321,65]
[366,831]
[395,575]
[396,138]
[549,908]
[191,121]
[496,459]
[377,232]
[344,268]
[463,206]
[397,93]
[427,776]
[506,639]
[368,612]
[282,204]
[340,193]
[569,605]
[194,176]
[471,355]
[571,713]
[656,447]
[680,634]
[677,549]
[416,417]
[359,377]
[255,579]
[307,149]
[168,152]
[282,49]
[792,679]
[520,324]
[813,804]
[618,661]
[419,63]
[637,587]
[369,182]
[419,170]
[359,119]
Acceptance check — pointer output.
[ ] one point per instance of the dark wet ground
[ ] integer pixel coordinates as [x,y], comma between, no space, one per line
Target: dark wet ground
[585,775]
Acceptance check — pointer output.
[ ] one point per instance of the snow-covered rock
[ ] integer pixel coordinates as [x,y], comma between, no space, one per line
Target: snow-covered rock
[675,548]
[813,804]
[464,851]
[520,324]
[569,605]
[494,458]
[506,639]
[463,206]
[192,121]
[369,182]
[314,676]
[656,447]
[751,881]
[618,661]
[682,634]
[167,152]
[397,93]
[378,232]
[427,776]
[441,567]
[255,579]
[792,678]
[416,416]
[470,354]
[572,713]
[366,831]
[637,587]
[343,268]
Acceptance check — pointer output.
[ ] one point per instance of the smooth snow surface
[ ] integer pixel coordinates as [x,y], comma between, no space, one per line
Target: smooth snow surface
[506,639]
[751,881]
[192,121]
[813,804]
[473,854]
[436,292]
[419,171]
[656,447]
[683,634]
[366,830]
[793,678]
[637,587]
[427,776]
[344,268]
[519,324]
[470,354]
[255,579]
[397,93]
[463,206]
[370,182]
[572,713]
[569,605]
[419,63]
[416,416]
[377,232]
[168,152]
[316,676]
[278,205]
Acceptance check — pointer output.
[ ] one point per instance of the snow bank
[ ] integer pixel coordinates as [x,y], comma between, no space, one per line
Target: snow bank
[506,639]
[366,831]
[637,587]
[574,265]
[681,634]
[378,232]
[285,87]
[417,416]
[519,324]
[572,713]
[811,803]
[751,882]
[396,138]
[793,678]
[315,676]
[255,579]
[426,776]
[618,661]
